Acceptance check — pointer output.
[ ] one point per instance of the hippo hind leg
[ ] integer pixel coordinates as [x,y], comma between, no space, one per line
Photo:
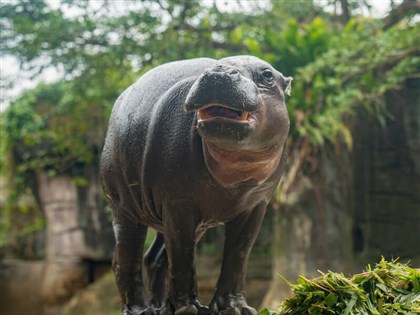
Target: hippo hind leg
[156,262]
[127,266]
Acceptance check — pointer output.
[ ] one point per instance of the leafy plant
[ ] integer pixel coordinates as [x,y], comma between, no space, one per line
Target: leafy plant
[389,288]
[362,65]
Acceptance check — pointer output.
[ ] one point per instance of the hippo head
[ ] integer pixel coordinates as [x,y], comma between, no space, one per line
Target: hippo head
[241,116]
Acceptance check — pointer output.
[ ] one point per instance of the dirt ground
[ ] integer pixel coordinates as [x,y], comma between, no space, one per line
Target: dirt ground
[258,279]
[21,292]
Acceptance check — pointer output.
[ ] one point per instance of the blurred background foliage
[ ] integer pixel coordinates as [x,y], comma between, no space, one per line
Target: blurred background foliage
[342,61]
[339,64]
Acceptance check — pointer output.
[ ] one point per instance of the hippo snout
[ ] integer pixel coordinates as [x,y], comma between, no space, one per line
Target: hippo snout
[220,74]
[217,79]
[225,86]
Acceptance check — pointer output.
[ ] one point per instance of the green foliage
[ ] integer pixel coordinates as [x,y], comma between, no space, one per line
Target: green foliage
[45,130]
[389,288]
[101,49]
[298,44]
[302,11]
[338,70]
[74,44]
[359,68]
[59,128]
[294,48]
[62,125]
[143,35]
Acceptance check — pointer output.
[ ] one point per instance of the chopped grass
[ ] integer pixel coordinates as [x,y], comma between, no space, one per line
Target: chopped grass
[389,288]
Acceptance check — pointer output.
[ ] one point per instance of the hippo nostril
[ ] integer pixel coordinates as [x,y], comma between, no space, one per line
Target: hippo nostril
[224,70]
[219,69]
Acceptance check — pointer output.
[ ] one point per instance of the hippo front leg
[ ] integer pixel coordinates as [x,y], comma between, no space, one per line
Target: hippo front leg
[241,233]
[180,241]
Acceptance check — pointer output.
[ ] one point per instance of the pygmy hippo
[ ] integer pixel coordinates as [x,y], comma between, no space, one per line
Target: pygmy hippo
[191,145]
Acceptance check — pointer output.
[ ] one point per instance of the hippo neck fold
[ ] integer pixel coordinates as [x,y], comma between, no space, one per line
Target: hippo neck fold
[230,167]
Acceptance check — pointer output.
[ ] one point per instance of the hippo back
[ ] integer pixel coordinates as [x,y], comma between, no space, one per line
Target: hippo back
[131,122]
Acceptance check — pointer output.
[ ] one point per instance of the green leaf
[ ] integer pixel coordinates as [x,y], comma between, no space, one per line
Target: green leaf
[331,299]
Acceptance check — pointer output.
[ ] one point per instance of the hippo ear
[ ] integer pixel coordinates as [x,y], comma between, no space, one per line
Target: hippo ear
[287,85]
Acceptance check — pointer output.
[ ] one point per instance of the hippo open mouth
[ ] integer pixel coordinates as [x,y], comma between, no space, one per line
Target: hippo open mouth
[222,111]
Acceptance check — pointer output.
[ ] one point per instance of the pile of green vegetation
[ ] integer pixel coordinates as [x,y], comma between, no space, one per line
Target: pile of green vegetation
[389,288]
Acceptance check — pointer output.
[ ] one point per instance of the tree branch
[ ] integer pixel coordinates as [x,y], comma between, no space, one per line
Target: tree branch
[345,10]
[398,13]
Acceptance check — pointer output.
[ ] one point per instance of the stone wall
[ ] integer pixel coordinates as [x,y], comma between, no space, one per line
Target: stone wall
[346,209]
[78,246]
[387,180]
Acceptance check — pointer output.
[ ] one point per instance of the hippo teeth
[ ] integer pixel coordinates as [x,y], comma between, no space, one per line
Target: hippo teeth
[213,111]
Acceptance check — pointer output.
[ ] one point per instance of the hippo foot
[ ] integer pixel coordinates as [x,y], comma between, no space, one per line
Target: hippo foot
[231,304]
[194,308]
[136,310]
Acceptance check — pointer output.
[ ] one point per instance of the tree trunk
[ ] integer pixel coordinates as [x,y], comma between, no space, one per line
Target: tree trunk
[345,10]
[78,234]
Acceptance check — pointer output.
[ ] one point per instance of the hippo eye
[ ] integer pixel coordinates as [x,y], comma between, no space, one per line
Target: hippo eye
[268,75]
